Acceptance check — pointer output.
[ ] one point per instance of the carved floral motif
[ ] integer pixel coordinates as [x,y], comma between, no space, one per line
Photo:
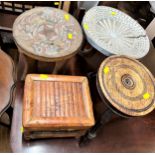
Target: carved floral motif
[45,30]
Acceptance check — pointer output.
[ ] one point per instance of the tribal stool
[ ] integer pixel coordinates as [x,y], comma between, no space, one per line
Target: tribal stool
[127,88]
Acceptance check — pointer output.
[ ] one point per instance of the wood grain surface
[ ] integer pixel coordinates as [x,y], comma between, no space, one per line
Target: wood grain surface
[127,85]
[55,102]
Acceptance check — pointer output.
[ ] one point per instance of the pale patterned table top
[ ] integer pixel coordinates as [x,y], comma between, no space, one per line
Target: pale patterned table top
[47,32]
[113,32]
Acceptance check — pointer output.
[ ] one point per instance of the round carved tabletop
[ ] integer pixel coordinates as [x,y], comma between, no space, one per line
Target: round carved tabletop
[127,85]
[47,34]
[111,31]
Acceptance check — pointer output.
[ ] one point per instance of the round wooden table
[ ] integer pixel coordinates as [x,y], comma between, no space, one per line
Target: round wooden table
[47,35]
[127,88]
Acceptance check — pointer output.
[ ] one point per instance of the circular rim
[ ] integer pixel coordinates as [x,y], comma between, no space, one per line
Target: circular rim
[106,51]
[46,59]
[63,55]
[105,101]
[104,93]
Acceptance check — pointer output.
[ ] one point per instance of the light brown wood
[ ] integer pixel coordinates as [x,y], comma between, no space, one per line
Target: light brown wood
[60,4]
[66,6]
[56,104]
[47,34]
[127,85]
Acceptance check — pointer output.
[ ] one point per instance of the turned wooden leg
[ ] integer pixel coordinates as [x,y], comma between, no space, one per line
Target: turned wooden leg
[9,111]
[58,66]
[91,75]
[45,67]
[31,64]
[105,117]
[1,43]
[25,65]
[87,50]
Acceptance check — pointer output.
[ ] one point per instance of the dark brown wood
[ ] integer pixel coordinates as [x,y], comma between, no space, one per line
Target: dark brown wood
[56,106]
[9,22]
[91,134]
[4,140]
[13,6]
[120,135]
[1,42]
[11,15]
[59,66]
[18,7]
[45,67]
[2,4]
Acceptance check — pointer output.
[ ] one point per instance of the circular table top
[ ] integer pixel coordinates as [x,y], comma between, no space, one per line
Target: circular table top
[111,31]
[127,85]
[47,33]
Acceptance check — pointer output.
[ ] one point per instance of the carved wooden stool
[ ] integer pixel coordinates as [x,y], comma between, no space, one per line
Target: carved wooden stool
[48,35]
[127,88]
[56,106]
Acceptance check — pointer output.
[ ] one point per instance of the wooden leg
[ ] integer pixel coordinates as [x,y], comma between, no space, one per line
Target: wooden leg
[105,117]
[21,67]
[91,75]
[31,64]
[50,67]
[1,43]
[25,65]
[9,111]
[58,66]
[87,50]
[45,67]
